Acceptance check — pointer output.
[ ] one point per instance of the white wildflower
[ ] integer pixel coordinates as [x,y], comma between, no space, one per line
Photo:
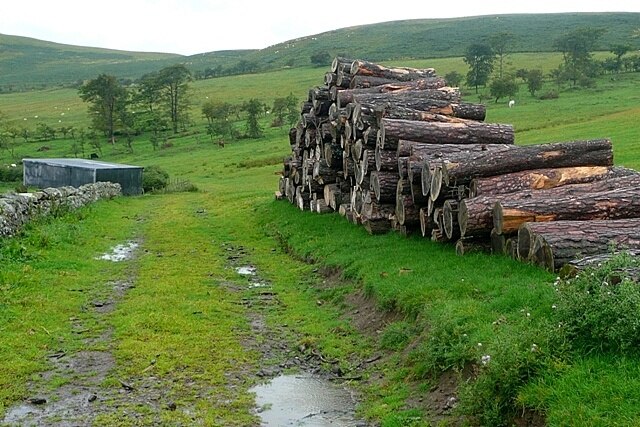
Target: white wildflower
[486,359]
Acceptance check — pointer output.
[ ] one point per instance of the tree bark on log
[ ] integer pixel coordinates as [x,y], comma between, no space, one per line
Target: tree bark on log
[348,95]
[498,242]
[542,179]
[340,63]
[393,130]
[469,246]
[363,82]
[475,216]
[384,185]
[333,155]
[386,160]
[598,152]
[462,110]
[450,219]
[407,213]
[553,244]
[622,203]
[426,222]
[390,111]
[365,68]
[372,99]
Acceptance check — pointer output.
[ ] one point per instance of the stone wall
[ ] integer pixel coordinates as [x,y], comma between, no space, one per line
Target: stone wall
[18,209]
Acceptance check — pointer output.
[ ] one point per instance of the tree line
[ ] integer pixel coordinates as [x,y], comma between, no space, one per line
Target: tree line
[487,61]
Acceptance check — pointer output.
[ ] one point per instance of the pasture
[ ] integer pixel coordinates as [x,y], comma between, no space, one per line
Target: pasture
[182,330]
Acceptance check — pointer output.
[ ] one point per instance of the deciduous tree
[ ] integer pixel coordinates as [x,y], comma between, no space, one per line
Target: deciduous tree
[480,59]
[108,100]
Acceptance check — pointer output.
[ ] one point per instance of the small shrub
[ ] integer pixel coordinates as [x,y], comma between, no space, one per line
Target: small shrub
[552,94]
[10,173]
[599,309]
[154,178]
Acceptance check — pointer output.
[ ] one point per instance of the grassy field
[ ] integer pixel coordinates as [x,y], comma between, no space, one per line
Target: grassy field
[446,316]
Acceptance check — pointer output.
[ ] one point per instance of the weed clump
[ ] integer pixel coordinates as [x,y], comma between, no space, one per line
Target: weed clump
[154,178]
[599,308]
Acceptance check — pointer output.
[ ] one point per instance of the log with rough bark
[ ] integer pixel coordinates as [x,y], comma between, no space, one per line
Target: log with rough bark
[407,213]
[363,82]
[302,198]
[344,79]
[333,155]
[541,179]
[402,167]
[478,215]
[368,162]
[472,112]
[450,219]
[340,63]
[426,222]
[475,216]
[321,206]
[391,111]
[384,185]
[386,160]
[365,68]
[553,244]
[349,95]
[448,94]
[597,152]
[498,242]
[393,130]
[468,246]
[509,214]
[434,155]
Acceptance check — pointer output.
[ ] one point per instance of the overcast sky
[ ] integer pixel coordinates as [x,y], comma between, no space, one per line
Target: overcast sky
[197,26]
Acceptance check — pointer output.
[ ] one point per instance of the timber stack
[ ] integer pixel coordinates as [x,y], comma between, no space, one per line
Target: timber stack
[397,149]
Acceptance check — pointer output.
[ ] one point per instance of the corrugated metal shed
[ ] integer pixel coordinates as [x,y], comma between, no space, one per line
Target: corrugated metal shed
[45,173]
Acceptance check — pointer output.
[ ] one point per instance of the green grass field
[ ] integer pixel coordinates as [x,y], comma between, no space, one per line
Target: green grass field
[448,316]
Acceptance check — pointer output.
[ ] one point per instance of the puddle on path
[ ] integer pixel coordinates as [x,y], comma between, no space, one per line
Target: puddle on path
[246,270]
[305,400]
[120,252]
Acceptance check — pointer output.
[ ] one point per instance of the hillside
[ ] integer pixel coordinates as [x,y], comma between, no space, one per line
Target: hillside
[26,63]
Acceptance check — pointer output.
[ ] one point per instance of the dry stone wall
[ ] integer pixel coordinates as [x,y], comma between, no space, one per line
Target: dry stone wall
[18,209]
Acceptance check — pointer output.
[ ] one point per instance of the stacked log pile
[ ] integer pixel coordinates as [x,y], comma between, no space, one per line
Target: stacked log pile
[395,148]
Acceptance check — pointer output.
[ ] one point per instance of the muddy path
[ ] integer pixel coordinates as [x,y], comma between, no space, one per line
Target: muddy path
[81,396]
[292,384]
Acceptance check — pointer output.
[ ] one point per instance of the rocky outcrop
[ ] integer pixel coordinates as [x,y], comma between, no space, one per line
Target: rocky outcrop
[18,209]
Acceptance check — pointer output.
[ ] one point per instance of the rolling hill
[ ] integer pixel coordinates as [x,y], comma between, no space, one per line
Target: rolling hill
[26,63]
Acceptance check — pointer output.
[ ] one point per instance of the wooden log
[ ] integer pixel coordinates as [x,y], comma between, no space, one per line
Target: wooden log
[498,242]
[386,160]
[331,79]
[333,155]
[478,215]
[322,207]
[340,63]
[303,198]
[362,82]
[377,226]
[426,223]
[622,203]
[402,167]
[368,162]
[344,79]
[462,110]
[475,216]
[365,68]
[450,219]
[347,165]
[511,248]
[466,246]
[391,111]
[430,156]
[348,95]
[541,179]
[407,213]
[393,130]
[598,152]
[553,244]
[451,95]
[343,209]
[323,173]
[384,186]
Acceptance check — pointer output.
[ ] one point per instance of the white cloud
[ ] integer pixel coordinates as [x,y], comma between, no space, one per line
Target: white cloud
[195,26]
